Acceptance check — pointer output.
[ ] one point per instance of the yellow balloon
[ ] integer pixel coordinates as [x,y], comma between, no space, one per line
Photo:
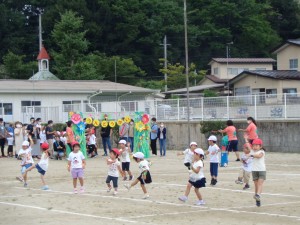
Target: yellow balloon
[112,124]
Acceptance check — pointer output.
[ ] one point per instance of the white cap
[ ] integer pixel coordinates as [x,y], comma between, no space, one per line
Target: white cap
[193,143]
[199,151]
[138,155]
[25,143]
[212,138]
[122,142]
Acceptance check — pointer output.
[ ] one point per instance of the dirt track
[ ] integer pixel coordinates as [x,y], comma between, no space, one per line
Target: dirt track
[226,203]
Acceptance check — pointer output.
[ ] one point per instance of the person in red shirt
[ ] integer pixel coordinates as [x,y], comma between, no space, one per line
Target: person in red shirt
[230,130]
[251,130]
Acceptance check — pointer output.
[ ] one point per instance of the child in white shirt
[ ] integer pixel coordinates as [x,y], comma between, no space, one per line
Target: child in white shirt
[42,165]
[76,164]
[10,143]
[188,155]
[125,159]
[196,178]
[145,177]
[114,168]
[212,151]
[91,145]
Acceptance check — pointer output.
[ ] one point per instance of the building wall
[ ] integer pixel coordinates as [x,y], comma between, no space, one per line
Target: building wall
[283,57]
[277,136]
[222,68]
[206,81]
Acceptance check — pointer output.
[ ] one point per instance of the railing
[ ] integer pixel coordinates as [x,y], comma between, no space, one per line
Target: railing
[261,107]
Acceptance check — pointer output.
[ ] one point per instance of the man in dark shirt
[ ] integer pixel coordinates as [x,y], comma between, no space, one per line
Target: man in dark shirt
[3,135]
[30,128]
[106,134]
[49,136]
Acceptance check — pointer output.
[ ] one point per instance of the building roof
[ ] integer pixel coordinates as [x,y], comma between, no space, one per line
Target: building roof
[194,88]
[242,60]
[295,42]
[44,75]
[216,79]
[69,86]
[272,74]
[43,54]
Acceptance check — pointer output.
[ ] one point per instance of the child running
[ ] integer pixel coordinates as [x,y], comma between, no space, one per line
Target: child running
[26,157]
[114,168]
[145,177]
[42,165]
[245,171]
[258,167]
[197,178]
[125,159]
[212,151]
[188,155]
[76,165]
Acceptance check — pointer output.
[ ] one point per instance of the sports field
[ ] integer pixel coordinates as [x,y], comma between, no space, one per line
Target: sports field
[226,203]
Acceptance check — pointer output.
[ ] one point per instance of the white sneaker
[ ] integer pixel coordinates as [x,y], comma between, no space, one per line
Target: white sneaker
[127,186]
[108,190]
[115,193]
[200,202]
[183,198]
[146,196]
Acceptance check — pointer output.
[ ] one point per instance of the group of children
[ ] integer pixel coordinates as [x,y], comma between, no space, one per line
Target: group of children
[253,161]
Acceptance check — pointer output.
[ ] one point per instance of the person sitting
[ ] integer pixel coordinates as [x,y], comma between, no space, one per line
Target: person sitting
[59,148]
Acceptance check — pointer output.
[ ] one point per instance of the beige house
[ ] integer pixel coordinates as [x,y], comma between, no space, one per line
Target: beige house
[288,55]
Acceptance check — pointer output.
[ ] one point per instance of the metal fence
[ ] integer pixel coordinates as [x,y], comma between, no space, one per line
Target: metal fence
[261,107]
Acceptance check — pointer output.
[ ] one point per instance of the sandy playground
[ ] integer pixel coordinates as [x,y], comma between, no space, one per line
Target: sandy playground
[226,203]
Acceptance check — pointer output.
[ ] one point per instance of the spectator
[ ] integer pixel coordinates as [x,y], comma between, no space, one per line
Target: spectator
[251,130]
[59,148]
[123,131]
[3,135]
[106,133]
[49,137]
[162,136]
[70,134]
[131,134]
[153,135]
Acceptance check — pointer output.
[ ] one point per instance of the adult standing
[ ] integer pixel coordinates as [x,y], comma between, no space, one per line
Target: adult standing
[131,134]
[70,136]
[230,130]
[106,133]
[153,136]
[31,131]
[162,136]
[49,137]
[19,137]
[251,130]
[3,135]
[123,131]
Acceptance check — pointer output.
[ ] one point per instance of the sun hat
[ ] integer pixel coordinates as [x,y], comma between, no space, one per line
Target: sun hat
[212,138]
[25,143]
[193,143]
[257,142]
[122,142]
[138,155]
[199,151]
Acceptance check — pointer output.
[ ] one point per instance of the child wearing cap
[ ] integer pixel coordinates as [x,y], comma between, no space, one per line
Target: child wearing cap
[114,168]
[196,179]
[145,177]
[26,157]
[125,159]
[245,171]
[76,164]
[188,155]
[212,151]
[258,166]
[42,165]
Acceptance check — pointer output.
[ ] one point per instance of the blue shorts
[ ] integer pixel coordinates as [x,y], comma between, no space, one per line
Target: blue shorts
[25,167]
[125,166]
[214,169]
[232,146]
[39,169]
[113,179]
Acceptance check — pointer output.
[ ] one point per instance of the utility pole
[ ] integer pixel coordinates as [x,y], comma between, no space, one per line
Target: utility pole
[227,57]
[187,69]
[40,31]
[165,44]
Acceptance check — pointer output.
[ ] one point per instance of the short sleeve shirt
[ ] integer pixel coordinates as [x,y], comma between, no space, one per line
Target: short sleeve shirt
[231,132]
[144,165]
[197,176]
[26,156]
[213,153]
[153,135]
[49,136]
[113,169]
[252,131]
[76,160]
[125,155]
[188,155]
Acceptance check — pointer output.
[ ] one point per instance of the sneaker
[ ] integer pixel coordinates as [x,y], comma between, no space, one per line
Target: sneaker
[237,160]
[20,179]
[82,190]
[45,188]
[238,181]
[125,178]
[130,177]
[115,193]
[127,186]
[25,185]
[104,154]
[258,203]
[75,191]
[145,196]
[200,202]
[108,190]
[183,198]
[246,187]
[256,197]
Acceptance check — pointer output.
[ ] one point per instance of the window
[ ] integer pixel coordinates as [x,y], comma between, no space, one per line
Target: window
[236,71]
[216,71]
[242,91]
[70,106]
[293,64]
[129,106]
[6,108]
[271,93]
[290,91]
[87,108]
[26,104]
[260,68]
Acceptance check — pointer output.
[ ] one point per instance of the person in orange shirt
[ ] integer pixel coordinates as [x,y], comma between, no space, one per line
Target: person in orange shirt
[230,130]
[251,130]
[70,134]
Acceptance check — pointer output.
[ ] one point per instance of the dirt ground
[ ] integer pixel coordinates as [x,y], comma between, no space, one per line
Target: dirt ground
[226,203]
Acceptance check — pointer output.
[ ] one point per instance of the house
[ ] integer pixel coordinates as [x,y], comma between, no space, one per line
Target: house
[288,55]
[47,97]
